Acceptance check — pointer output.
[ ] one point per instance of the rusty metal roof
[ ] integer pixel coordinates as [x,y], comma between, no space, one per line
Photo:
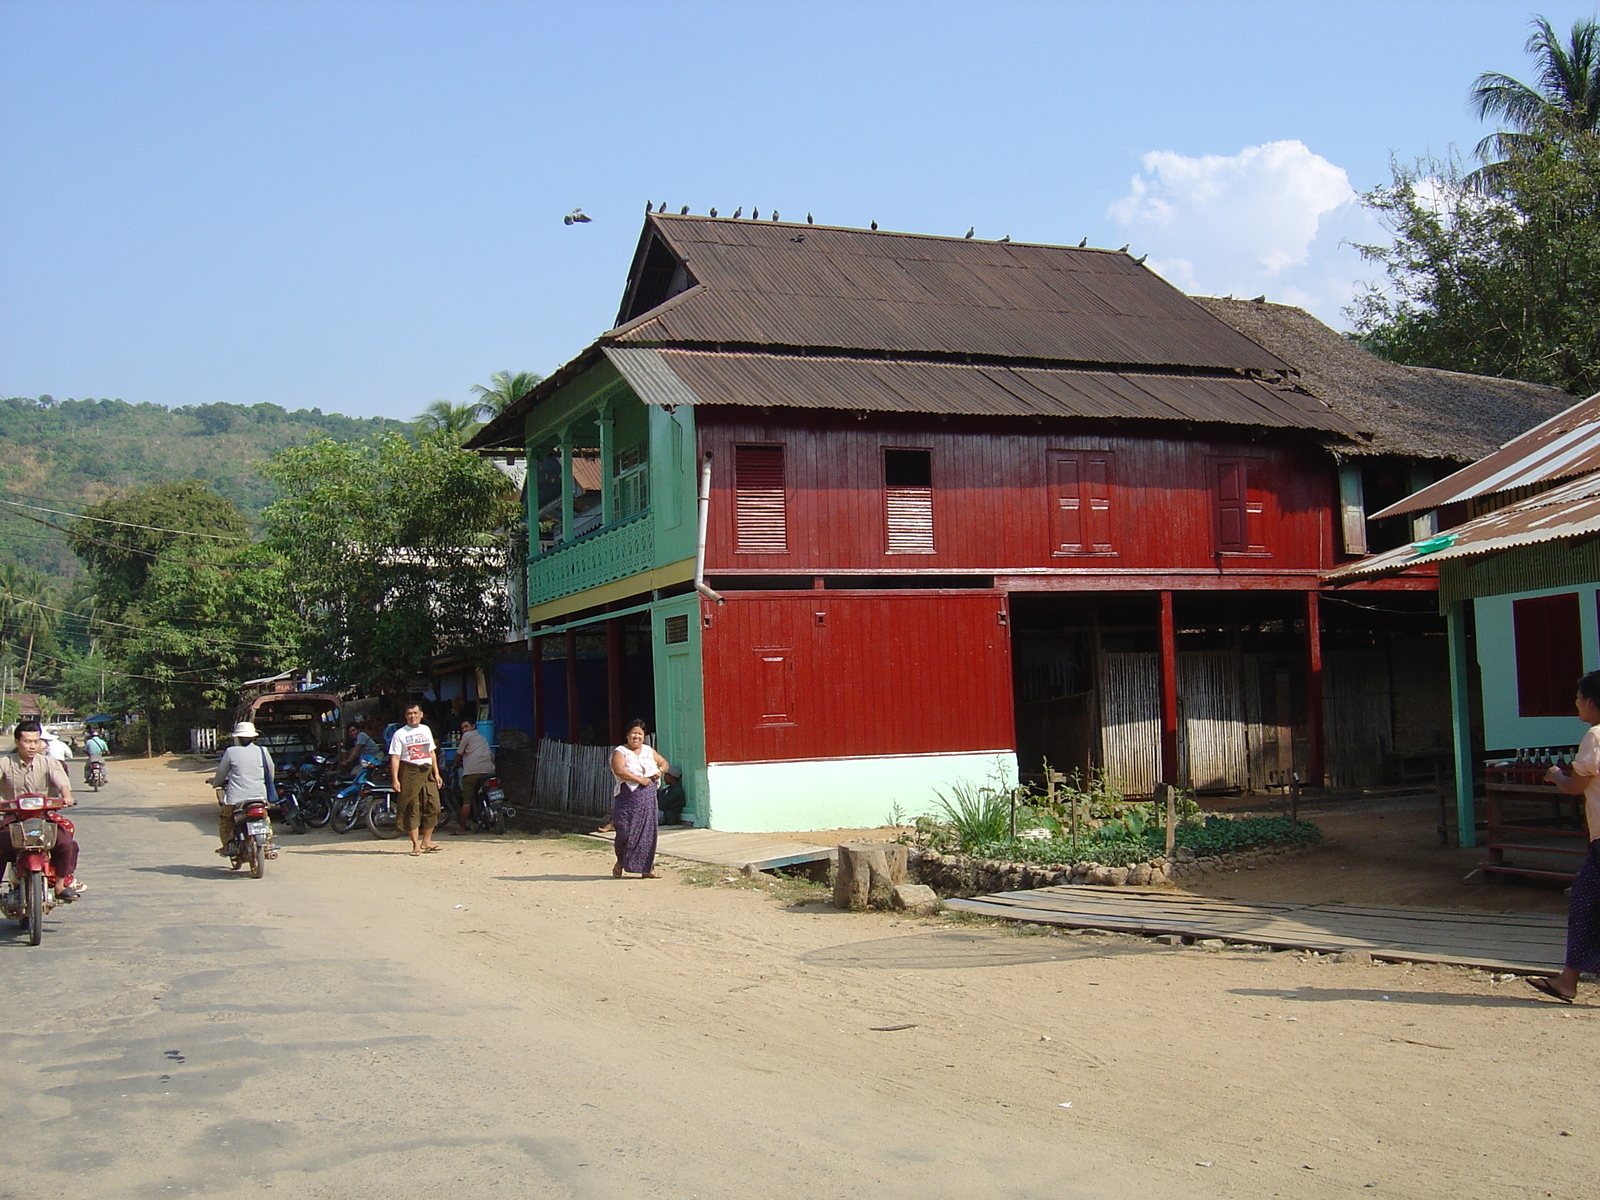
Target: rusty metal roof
[762,283]
[1567,444]
[676,376]
[1570,510]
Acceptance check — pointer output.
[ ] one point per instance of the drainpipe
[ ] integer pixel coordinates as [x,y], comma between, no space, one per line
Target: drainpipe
[704,507]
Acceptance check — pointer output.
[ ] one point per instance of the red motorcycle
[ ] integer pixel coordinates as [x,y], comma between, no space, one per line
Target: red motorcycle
[31,824]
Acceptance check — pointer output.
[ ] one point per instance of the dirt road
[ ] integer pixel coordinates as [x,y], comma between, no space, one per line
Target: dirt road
[506,1019]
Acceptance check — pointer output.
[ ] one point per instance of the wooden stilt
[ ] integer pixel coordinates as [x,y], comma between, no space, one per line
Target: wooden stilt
[614,650]
[1461,722]
[572,686]
[1316,753]
[1169,692]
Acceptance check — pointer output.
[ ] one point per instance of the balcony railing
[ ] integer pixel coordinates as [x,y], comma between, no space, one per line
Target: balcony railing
[603,555]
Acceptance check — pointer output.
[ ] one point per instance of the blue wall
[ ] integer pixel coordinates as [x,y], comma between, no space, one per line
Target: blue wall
[1503,729]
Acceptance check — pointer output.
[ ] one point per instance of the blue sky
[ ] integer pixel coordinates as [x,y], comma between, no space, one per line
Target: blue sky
[357,206]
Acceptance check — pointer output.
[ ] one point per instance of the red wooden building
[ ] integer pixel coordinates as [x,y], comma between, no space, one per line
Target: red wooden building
[969,505]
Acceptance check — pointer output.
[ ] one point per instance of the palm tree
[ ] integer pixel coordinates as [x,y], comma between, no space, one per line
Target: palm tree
[1564,104]
[443,419]
[28,612]
[505,389]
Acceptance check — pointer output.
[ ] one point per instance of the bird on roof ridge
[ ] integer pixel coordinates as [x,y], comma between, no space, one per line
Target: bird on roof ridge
[1083,243]
[774,214]
[738,212]
[809,220]
[755,214]
[971,229]
[663,207]
[713,212]
[1124,248]
[649,206]
[684,211]
[874,224]
[1142,257]
[1007,238]
[1261,299]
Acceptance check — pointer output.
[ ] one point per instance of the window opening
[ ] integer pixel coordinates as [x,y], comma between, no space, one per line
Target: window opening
[1239,509]
[1081,502]
[632,482]
[760,517]
[1549,647]
[908,501]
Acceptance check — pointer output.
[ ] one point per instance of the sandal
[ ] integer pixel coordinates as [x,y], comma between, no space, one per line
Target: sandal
[432,849]
[417,853]
[1540,984]
[616,871]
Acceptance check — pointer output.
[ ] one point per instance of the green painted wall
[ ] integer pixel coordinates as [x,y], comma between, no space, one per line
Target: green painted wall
[1503,729]
[680,700]
[673,482]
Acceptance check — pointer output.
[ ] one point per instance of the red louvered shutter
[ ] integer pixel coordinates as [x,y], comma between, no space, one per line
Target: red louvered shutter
[910,515]
[760,519]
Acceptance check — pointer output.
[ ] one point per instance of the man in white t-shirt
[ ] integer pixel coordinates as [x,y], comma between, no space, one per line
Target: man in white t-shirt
[57,748]
[414,771]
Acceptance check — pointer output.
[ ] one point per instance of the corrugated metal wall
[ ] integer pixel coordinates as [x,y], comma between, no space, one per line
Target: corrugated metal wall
[834,674]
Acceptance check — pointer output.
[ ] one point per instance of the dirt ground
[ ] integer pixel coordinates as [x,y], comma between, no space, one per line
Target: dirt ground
[773,1044]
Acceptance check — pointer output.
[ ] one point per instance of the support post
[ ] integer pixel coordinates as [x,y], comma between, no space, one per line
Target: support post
[1316,751]
[614,648]
[572,686]
[537,645]
[1461,724]
[608,471]
[1165,800]
[568,516]
[1168,767]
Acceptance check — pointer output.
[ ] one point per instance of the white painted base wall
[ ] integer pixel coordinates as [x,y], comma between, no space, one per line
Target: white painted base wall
[843,793]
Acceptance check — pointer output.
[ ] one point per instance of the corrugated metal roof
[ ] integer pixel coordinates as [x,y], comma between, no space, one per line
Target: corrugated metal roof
[1571,510]
[674,376]
[1567,444]
[855,289]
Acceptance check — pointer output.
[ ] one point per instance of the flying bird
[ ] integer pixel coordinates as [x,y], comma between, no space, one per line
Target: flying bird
[576,217]
[809,221]
[738,212]
[684,211]
[1083,243]
[874,224]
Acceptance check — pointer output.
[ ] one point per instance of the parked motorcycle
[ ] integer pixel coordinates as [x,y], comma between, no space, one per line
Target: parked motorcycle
[94,774]
[314,790]
[252,838]
[489,808]
[30,893]
[349,803]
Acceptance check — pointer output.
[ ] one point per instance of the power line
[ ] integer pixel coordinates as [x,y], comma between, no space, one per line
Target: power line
[188,562]
[92,621]
[40,656]
[221,537]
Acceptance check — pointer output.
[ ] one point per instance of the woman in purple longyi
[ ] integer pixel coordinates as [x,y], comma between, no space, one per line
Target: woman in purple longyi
[633,806]
[1583,912]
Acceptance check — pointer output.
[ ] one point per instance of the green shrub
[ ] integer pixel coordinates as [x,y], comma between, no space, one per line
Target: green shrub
[976,813]
[1123,843]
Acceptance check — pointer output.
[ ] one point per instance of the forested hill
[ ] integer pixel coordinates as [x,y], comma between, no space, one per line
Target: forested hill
[68,453]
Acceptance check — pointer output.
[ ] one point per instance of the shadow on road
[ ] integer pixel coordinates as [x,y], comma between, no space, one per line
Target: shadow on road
[558,878]
[189,870]
[958,951]
[1373,995]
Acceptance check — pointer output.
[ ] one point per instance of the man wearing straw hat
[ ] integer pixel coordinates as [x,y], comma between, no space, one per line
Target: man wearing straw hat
[241,776]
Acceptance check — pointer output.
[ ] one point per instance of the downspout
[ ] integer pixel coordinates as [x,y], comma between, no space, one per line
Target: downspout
[704,507]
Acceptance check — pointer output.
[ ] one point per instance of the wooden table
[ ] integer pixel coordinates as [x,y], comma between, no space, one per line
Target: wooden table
[1534,830]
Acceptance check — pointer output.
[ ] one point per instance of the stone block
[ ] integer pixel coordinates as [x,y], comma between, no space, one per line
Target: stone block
[914,897]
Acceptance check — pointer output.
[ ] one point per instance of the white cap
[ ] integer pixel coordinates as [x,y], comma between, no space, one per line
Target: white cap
[244,729]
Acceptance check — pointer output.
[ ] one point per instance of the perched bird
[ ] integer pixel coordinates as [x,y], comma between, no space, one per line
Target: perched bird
[684,211]
[649,206]
[1083,243]
[1142,257]
[755,214]
[738,212]
[1261,299]
[799,237]
[874,224]
[663,207]
[971,229]
[774,214]
[575,217]
[809,221]
[1007,238]
[1125,246]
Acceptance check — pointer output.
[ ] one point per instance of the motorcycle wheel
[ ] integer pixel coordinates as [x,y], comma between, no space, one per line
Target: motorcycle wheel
[35,908]
[258,860]
[297,822]
[500,822]
[317,809]
[344,817]
[383,819]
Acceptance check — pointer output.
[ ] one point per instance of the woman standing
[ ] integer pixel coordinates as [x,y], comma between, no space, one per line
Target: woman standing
[633,805]
[1583,913]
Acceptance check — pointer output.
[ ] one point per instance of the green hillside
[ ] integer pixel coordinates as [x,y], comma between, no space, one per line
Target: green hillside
[68,453]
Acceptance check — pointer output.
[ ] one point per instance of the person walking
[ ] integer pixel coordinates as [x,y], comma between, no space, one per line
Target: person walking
[633,804]
[475,762]
[1581,778]
[242,774]
[414,771]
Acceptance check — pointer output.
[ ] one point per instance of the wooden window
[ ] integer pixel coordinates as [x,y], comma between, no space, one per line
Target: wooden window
[1080,502]
[1240,508]
[675,629]
[760,519]
[908,501]
[1549,650]
[632,482]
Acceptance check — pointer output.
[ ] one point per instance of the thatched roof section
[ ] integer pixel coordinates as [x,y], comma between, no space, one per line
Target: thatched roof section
[1410,412]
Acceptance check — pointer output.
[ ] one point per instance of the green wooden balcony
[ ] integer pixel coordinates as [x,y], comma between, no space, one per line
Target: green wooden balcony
[603,555]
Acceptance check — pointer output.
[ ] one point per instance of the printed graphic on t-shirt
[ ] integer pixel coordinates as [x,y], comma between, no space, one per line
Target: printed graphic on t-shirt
[413,745]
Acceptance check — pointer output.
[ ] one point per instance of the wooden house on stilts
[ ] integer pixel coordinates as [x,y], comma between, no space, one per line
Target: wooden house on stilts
[878,513]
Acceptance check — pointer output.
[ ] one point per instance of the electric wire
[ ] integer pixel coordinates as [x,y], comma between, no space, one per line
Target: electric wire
[221,537]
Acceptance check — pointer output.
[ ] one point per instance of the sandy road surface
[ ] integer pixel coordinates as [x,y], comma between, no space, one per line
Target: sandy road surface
[506,1019]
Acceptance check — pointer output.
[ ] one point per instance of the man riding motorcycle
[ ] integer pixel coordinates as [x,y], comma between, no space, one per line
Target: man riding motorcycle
[242,774]
[95,750]
[30,771]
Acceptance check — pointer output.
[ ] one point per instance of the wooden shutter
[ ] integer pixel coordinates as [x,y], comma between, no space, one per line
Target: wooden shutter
[760,520]
[910,516]
[1080,488]
[1549,649]
[1238,513]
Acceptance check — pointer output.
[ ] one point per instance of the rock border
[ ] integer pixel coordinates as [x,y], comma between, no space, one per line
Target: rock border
[963,875]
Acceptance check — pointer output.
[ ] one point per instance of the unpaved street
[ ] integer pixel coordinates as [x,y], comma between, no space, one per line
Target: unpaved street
[506,1019]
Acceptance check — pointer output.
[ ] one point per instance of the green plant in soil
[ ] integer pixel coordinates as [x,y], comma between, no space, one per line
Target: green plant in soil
[1125,842]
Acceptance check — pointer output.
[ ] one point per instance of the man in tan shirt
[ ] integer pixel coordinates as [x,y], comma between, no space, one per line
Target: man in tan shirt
[29,771]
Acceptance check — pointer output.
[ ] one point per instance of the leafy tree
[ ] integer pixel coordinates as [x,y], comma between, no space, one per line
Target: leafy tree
[396,553]
[121,538]
[1506,283]
[1565,104]
[27,614]
[453,423]
[504,389]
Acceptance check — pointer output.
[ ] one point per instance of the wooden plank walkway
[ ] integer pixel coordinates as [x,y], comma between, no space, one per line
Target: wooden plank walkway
[1532,943]
[736,850]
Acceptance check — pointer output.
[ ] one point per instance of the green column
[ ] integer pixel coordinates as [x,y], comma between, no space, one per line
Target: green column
[1461,716]
[608,466]
[566,483]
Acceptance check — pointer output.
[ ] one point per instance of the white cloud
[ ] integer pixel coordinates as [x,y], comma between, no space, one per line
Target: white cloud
[1273,219]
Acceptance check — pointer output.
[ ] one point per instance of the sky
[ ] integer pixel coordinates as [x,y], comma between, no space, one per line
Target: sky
[357,206]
